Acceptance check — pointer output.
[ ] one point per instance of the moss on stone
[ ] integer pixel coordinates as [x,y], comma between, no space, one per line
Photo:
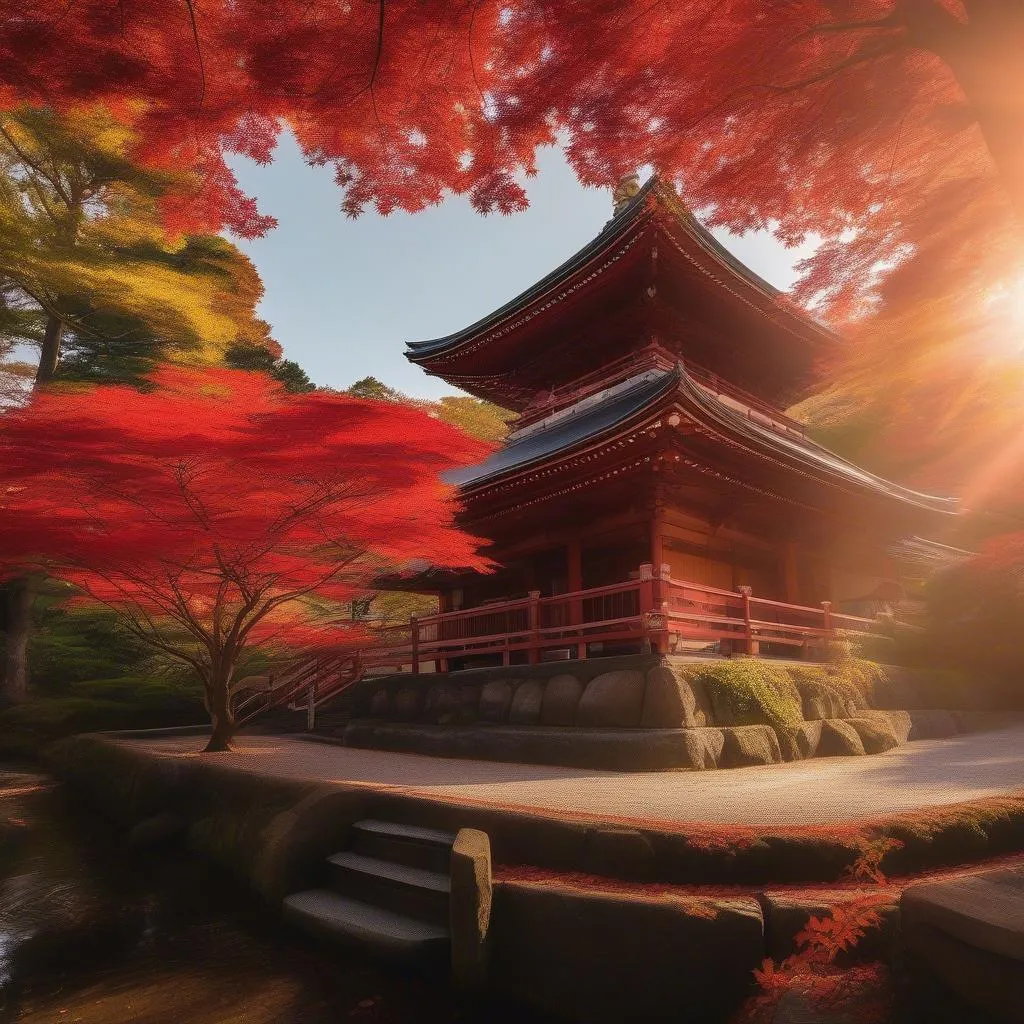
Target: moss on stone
[751,692]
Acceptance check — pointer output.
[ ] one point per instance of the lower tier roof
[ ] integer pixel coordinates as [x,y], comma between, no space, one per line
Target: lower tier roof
[659,391]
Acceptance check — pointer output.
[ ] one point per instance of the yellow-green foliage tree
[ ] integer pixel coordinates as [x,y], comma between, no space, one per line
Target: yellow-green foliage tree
[482,420]
[89,274]
[475,417]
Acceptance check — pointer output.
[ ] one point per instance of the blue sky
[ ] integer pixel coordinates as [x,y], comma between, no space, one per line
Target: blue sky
[344,296]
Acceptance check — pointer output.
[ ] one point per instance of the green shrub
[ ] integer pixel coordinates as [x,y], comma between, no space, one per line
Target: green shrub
[751,692]
[95,706]
[73,645]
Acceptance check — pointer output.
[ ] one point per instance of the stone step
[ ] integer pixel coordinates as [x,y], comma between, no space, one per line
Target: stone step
[418,847]
[379,931]
[403,889]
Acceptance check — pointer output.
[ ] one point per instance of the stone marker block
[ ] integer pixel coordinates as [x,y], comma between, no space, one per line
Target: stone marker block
[748,745]
[672,701]
[608,958]
[469,704]
[612,699]
[381,705]
[968,934]
[526,703]
[876,734]
[408,703]
[800,741]
[495,701]
[619,853]
[561,699]
[470,907]
[839,739]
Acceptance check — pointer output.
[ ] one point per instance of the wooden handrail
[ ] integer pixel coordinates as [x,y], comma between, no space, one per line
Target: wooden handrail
[485,609]
[605,591]
[686,585]
[654,606]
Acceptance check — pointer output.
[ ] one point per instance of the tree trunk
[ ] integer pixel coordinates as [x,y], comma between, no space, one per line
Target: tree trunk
[987,60]
[220,714]
[49,357]
[20,592]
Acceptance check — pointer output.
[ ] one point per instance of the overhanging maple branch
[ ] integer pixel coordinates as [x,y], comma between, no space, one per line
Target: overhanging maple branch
[862,57]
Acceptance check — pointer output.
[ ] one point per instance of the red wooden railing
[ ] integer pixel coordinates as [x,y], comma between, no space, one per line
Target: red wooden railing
[304,680]
[648,359]
[653,609]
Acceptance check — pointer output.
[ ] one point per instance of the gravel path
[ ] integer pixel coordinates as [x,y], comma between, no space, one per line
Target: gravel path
[925,773]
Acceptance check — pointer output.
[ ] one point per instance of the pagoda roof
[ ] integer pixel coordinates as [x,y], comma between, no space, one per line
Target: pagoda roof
[618,225]
[564,430]
[478,358]
[599,417]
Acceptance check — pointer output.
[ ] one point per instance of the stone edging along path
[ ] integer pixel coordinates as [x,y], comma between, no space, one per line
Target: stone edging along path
[595,917]
[265,808]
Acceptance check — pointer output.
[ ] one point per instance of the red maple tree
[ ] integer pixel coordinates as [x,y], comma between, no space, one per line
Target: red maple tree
[892,128]
[217,512]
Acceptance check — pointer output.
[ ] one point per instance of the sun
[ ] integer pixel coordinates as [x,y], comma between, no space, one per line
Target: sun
[1005,309]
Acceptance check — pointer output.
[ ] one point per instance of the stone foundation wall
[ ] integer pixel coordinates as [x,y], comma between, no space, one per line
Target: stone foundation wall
[655,713]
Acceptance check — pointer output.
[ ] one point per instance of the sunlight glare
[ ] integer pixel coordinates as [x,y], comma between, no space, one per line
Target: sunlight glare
[1007,305]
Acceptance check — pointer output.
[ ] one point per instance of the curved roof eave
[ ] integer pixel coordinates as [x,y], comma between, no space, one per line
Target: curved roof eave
[568,432]
[808,452]
[417,351]
[620,223]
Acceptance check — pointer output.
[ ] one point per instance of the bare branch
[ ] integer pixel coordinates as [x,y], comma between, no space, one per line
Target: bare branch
[862,57]
[199,51]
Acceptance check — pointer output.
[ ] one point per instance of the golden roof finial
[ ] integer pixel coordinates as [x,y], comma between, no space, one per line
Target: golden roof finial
[627,188]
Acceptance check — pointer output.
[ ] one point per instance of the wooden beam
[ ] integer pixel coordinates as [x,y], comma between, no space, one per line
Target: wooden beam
[685,525]
[544,540]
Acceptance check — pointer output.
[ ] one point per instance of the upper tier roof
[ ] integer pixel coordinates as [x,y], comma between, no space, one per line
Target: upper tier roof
[615,294]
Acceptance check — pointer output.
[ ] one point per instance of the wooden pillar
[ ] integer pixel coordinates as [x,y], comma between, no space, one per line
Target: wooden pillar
[534,618]
[574,553]
[790,574]
[653,609]
[657,536]
[750,645]
[444,604]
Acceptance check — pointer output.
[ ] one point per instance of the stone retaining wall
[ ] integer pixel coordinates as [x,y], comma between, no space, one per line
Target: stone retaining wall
[651,713]
[585,950]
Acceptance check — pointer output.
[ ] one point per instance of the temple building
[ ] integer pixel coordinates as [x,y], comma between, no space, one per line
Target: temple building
[652,477]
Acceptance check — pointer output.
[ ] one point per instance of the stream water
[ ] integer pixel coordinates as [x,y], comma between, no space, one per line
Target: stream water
[94,933]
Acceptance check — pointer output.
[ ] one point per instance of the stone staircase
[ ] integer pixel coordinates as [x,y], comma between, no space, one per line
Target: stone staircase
[388,893]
